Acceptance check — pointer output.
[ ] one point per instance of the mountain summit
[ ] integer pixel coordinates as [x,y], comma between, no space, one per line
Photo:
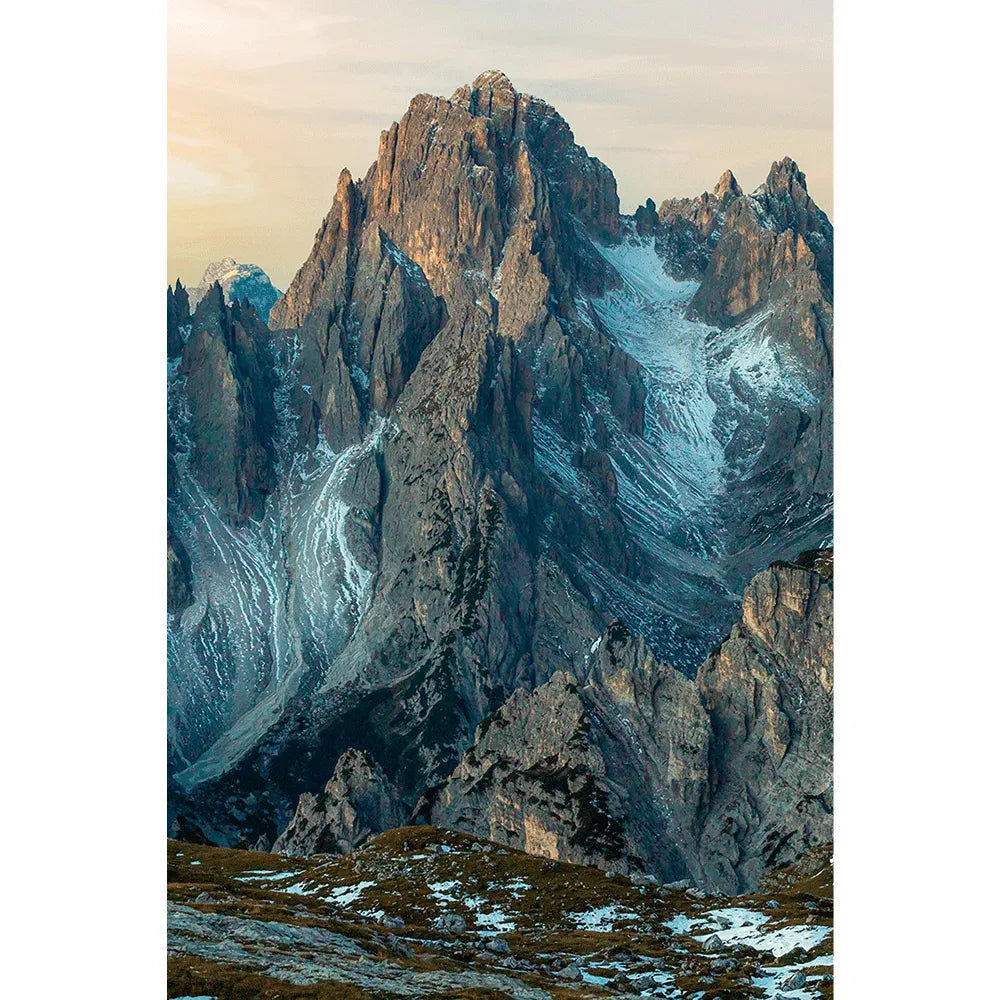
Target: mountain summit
[238,282]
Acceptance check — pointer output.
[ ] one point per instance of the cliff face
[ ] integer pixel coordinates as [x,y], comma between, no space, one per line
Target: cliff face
[774,240]
[480,426]
[773,265]
[638,767]
[229,416]
[768,692]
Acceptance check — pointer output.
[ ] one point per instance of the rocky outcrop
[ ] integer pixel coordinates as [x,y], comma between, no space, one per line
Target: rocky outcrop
[772,267]
[635,766]
[768,692]
[364,314]
[356,803]
[687,229]
[227,372]
[178,314]
[534,781]
[774,242]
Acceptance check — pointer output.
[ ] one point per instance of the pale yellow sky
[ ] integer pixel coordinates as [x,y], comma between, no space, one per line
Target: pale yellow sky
[269,99]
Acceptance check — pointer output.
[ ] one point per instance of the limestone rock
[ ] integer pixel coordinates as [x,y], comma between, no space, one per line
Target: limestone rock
[636,767]
[357,802]
[178,314]
[687,229]
[228,384]
[770,240]
[464,444]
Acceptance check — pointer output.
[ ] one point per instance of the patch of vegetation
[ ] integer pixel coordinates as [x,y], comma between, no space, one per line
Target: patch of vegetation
[195,977]
[416,874]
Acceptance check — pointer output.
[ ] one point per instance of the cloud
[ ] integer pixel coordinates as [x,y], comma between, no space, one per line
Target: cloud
[188,181]
[251,34]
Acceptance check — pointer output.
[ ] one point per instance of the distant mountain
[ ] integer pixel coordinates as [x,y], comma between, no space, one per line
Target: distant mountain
[499,441]
[238,281]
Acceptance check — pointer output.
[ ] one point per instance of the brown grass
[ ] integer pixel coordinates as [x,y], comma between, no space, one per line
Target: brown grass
[402,862]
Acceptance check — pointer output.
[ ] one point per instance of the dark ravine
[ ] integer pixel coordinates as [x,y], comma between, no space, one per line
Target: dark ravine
[490,417]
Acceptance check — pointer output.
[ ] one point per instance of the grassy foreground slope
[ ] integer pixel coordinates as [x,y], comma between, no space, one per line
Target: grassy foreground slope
[425,912]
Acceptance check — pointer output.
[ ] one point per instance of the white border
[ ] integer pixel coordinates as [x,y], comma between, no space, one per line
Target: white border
[84,253]
[83,259]
[915,496]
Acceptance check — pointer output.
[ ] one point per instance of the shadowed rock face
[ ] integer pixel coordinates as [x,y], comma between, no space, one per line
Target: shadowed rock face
[768,692]
[178,314]
[635,766]
[226,410]
[480,427]
[356,803]
[774,260]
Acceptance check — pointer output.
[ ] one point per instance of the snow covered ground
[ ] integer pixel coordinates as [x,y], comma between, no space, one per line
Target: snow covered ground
[602,918]
[748,928]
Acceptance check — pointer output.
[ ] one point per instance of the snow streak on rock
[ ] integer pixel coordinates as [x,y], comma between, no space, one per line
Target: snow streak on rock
[273,600]
[683,488]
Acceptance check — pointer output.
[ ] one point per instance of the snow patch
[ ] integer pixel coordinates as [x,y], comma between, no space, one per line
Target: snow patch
[601,918]
[345,894]
[268,876]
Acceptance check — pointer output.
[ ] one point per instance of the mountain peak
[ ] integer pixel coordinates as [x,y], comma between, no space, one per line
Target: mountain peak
[727,186]
[237,281]
[209,305]
[221,269]
[784,176]
[493,79]
[490,95]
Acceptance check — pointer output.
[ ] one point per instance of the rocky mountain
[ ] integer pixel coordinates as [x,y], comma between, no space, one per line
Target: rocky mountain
[238,282]
[490,417]
[686,230]
[636,767]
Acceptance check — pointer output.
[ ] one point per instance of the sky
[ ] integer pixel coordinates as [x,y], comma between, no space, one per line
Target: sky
[269,99]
